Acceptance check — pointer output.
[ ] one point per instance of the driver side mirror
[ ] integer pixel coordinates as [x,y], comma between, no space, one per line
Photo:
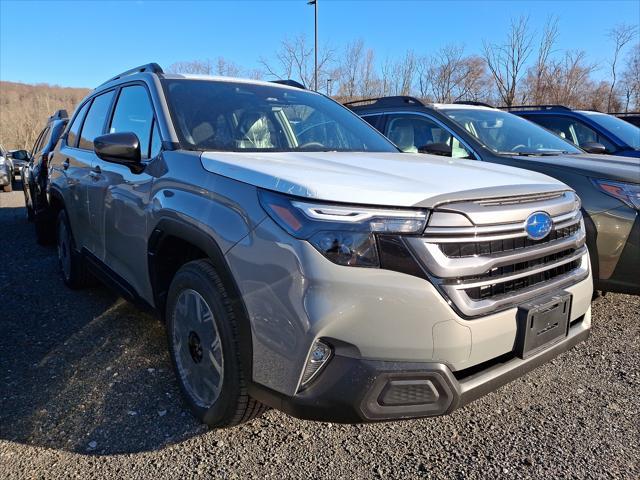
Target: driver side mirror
[122,148]
[441,149]
[20,155]
[593,147]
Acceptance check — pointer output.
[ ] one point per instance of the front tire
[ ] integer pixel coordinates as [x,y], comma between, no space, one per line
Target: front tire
[204,345]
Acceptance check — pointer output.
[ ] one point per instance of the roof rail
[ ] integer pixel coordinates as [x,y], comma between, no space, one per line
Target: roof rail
[59,115]
[470,102]
[290,83]
[149,67]
[535,107]
[394,101]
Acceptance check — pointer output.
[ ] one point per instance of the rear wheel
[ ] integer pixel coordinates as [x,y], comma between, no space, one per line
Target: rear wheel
[69,259]
[204,345]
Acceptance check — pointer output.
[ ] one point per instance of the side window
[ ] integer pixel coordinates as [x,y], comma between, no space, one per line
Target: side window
[94,123]
[133,113]
[38,145]
[72,136]
[414,133]
[586,134]
[44,141]
[372,120]
[571,129]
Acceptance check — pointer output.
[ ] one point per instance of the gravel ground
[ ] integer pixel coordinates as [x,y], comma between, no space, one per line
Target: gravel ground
[87,391]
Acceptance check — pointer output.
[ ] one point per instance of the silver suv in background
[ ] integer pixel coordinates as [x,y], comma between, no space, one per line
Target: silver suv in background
[302,262]
[6,170]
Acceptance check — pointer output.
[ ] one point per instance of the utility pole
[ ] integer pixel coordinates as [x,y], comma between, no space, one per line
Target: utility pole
[315,50]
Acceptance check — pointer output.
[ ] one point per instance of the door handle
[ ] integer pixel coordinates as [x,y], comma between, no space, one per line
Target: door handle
[65,164]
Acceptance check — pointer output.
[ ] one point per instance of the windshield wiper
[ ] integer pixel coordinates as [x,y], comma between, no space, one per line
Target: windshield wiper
[545,153]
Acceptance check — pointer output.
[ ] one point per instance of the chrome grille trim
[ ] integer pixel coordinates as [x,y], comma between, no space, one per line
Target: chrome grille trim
[472,308]
[464,285]
[497,266]
[493,232]
[445,267]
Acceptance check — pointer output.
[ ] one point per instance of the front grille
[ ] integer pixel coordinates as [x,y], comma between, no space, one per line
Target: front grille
[519,267]
[483,268]
[502,288]
[470,249]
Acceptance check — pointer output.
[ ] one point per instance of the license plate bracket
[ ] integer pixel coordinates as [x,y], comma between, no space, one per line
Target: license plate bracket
[541,323]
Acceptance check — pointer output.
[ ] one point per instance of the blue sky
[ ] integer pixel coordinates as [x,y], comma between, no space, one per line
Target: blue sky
[80,43]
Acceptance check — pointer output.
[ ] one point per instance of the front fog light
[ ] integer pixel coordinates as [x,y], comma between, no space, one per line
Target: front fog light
[318,356]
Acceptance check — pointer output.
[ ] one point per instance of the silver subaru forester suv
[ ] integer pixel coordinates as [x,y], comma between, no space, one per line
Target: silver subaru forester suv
[300,261]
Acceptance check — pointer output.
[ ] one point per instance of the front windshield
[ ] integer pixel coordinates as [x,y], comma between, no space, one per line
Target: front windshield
[241,117]
[628,133]
[509,134]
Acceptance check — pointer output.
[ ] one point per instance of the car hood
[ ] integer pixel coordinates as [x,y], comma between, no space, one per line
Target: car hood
[392,179]
[624,169]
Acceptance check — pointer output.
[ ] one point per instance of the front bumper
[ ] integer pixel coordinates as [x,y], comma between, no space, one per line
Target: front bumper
[355,390]
[293,296]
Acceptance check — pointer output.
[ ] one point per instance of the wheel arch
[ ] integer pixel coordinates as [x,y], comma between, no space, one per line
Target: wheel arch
[170,232]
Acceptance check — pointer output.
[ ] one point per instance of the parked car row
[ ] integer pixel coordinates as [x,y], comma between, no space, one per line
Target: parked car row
[608,186]
[302,261]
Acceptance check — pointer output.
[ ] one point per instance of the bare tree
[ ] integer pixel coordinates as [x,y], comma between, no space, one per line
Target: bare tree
[386,71]
[201,67]
[370,83]
[631,79]
[569,81]
[226,68]
[350,69]
[506,61]
[402,74]
[621,35]
[540,69]
[294,60]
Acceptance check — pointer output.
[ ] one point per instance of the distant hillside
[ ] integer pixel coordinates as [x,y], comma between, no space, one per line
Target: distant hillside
[24,109]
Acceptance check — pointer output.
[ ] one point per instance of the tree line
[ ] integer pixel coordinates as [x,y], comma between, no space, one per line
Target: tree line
[526,67]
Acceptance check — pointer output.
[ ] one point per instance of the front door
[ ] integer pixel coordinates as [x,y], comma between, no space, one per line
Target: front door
[121,197]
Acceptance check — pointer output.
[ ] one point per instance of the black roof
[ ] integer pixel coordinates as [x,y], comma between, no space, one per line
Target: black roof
[394,101]
[535,107]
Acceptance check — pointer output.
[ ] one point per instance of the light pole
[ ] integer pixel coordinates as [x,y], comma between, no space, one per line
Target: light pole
[329,80]
[315,49]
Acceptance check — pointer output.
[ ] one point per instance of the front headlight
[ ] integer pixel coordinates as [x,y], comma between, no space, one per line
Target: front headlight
[344,234]
[627,193]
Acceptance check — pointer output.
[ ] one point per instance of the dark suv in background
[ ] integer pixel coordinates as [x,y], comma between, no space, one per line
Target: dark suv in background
[609,186]
[35,173]
[631,117]
[594,132]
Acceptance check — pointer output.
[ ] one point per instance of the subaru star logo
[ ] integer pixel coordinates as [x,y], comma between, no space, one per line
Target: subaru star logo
[538,225]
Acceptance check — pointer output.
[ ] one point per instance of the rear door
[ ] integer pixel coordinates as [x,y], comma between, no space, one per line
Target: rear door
[84,154]
[121,198]
[69,173]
